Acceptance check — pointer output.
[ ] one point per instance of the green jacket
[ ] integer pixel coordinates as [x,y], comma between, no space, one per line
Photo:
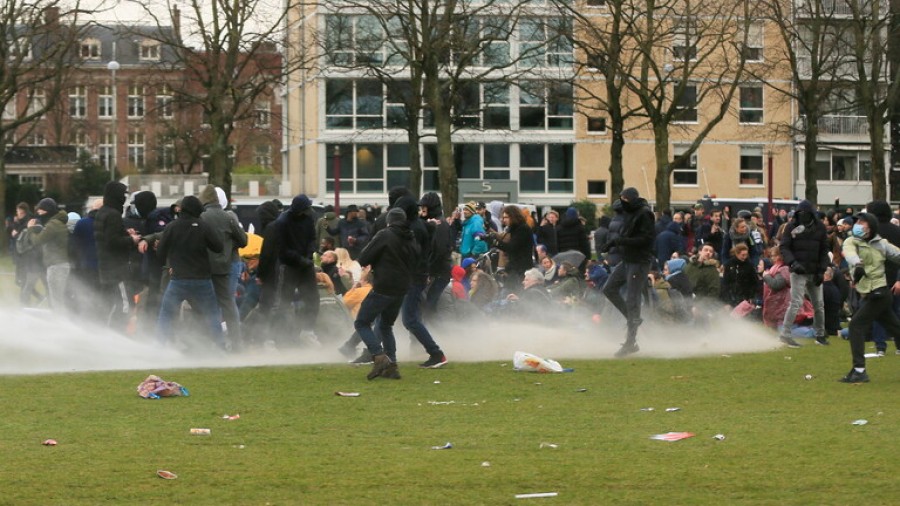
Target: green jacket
[704,277]
[52,238]
[872,255]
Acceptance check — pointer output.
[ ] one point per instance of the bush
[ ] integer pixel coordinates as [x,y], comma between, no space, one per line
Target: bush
[587,209]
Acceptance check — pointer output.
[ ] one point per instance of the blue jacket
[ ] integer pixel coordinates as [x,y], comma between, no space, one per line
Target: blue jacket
[469,246]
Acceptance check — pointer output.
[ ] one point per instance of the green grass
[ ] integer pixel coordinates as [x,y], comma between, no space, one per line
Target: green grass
[788,440]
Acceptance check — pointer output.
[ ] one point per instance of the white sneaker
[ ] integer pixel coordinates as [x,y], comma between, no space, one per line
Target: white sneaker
[309,337]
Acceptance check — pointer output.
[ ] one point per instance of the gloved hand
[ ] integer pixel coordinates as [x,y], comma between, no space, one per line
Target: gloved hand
[609,245]
[859,272]
[818,279]
[797,268]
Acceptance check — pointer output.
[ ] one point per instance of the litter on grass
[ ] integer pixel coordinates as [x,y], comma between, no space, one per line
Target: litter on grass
[670,410]
[873,355]
[537,495]
[446,446]
[581,390]
[532,363]
[860,422]
[672,436]
[230,417]
[201,432]
[49,442]
[155,387]
[809,376]
[166,475]
[549,445]
[347,394]
[719,437]
[485,464]
[647,409]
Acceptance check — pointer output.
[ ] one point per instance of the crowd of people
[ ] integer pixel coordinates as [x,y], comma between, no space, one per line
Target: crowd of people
[141,268]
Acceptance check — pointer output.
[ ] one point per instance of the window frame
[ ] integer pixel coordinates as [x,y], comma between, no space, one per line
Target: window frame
[690,168]
[136,102]
[78,101]
[745,153]
[747,114]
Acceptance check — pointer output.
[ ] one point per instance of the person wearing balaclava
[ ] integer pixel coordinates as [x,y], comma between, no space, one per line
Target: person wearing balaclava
[114,244]
[804,249]
[393,255]
[866,253]
[184,247]
[440,262]
[287,271]
[49,233]
[891,233]
[635,243]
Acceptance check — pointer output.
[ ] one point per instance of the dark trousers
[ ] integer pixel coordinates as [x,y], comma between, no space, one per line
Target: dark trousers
[228,305]
[412,318]
[384,308]
[876,306]
[116,305]
[879,336]
[433,294]
[634,277]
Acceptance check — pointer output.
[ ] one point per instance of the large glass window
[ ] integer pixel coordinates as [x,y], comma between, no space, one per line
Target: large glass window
[546,168]
[354,40]
[753,49]
[686,104]
[136,149]
[164,102]
[78,102]
[545,106]
[105,102]
[135,101]
[353,104]
[361,167]
[684,43]
[835,165]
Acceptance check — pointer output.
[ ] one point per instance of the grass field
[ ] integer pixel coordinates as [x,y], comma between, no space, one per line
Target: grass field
[788,440]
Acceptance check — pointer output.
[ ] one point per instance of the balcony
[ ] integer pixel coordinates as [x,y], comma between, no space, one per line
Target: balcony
[836,9]
[852,126]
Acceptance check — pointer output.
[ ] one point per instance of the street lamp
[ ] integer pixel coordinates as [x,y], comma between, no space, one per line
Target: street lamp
[771,185]
[113,66]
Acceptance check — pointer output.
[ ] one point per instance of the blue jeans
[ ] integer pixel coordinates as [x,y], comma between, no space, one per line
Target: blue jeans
[412,318]
[385,308]
[202,297]
[879,335]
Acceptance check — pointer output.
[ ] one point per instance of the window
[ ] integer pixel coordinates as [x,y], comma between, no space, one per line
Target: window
[261,115]
[353,104]
[751,165]
[546,168]
[838,165]
[751,104]
[596,3]
[353,40]
[496,105]
[36,139]
[532,39]
[165,156]
[135,101]
[105,149]
[262,156]
[9,109]
[684,171]
[398,96]
[546,42]
[105,102]
[466,105]
[496,162]
[33,180]
[136,149]
[20,49]
[546,106]
[90,49]
[397,165]
[495,46]
[78,138]
[753,49]
[78,102]
[150,50]
[361,166]
[684,43]
[686,104]
[596,188]
[164,102]
[37,102]
[596,125]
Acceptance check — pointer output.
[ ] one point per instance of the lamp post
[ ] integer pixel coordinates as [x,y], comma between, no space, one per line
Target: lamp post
[113,66]
[337,179]
[771,213]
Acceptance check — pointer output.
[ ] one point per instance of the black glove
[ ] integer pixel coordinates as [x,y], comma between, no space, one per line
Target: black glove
[818,279]
[609,245]
[797,268]
[859,272]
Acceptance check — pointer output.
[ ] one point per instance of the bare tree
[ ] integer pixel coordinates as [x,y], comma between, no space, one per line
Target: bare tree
[604,39]
[37,50]
[689,54]
[444,60]
[232,55]
[812,48]
[876,83]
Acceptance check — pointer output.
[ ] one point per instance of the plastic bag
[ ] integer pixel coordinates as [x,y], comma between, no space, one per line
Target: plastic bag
[155,387]
[532,363]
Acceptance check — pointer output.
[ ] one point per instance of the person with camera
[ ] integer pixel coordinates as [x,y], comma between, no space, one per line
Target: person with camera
[804,249]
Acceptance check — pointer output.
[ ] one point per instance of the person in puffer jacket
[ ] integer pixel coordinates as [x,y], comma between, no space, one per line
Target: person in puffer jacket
[49,233]
[866,253]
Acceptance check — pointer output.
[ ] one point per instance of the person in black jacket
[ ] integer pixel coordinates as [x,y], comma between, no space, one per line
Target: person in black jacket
[393,254]
[571,235]
[516,241]
[804,247]
[441,250]
[114,245]
[286,268]
[184,247]
[636,247]
[546,232]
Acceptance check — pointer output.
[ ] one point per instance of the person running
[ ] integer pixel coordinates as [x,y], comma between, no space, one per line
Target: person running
[866,253]
[636,247]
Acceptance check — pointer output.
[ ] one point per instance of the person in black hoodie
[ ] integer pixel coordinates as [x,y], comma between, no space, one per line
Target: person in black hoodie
[393,254]
[184,247]
[441,250]
[114,245]
[571,235]
[636,247]
[804,247]
[890,232]
[286,268]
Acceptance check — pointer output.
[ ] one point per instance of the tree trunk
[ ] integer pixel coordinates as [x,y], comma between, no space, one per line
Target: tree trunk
[616,161]
[443,130]
[415,162]
[663,166]
[4,241]
[879,178]
[811,147]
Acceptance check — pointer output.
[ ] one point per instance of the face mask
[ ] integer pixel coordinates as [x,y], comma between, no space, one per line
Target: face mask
[858,231]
